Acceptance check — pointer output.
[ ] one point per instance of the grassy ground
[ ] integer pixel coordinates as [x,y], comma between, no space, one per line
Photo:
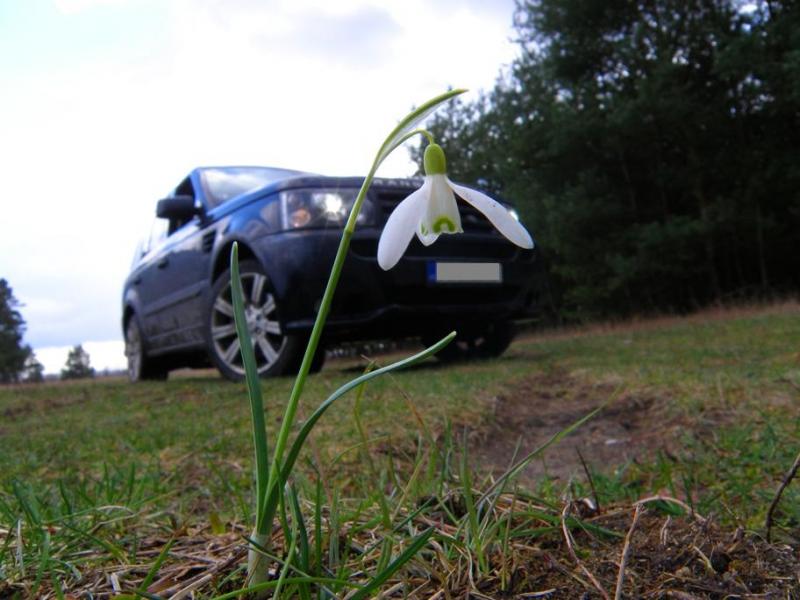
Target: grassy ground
[96,476]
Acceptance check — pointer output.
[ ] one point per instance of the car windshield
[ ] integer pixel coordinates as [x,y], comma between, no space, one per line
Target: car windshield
[222,184]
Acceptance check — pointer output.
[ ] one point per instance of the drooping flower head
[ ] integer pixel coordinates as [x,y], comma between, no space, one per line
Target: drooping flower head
[432,211]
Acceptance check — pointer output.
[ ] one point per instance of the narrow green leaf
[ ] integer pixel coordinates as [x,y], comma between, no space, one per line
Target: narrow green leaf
[469,500]
[112,549]
[289,559]
[409,122]
[394,566]
[302,539]
[318,527]
[253,390]
[297,516]
[28,503]
[56,583]
[296,569]
[271,584]
[151,574]
[44,562]
[297,445]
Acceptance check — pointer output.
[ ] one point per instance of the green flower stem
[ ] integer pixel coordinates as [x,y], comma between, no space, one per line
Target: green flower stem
[313,341]
[257,561]
[403,131]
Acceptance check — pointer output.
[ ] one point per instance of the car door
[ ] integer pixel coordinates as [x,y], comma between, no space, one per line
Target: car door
[181,267]
[147,283]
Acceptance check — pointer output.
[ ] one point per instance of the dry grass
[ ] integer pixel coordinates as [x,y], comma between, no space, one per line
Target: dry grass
[600,551]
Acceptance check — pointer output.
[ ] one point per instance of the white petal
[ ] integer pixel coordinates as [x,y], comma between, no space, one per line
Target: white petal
[400,227]
[497,214]
[441,212]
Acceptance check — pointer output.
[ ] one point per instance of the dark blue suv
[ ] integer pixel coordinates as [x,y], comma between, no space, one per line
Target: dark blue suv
[177,305]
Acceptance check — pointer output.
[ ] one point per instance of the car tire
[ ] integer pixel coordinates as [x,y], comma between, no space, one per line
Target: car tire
[488,342]
[277,353]
[140,366]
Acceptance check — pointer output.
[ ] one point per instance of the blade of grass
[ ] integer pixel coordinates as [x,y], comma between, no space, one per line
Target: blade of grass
[59,591]
[262,550]
[474,541]
[151,574]
[288,563]
[318,527]
[112,549]
[409,553]
[268,585]
[362,432]
[44,561]
[302,538]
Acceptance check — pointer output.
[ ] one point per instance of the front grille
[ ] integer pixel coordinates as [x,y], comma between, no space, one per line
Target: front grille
[447,246]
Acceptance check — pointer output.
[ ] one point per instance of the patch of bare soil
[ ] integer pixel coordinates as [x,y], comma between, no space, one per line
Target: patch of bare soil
[630,426]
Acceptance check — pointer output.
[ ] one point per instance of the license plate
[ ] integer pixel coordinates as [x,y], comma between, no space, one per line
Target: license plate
[459,272]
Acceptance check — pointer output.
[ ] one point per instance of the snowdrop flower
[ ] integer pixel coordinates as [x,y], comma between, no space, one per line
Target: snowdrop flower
[431,211]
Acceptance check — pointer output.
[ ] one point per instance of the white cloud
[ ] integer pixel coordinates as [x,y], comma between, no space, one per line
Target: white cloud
[313,85]
[72,7]
[102,356]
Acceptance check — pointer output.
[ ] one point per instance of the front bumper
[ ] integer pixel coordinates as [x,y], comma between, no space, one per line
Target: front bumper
[371,303]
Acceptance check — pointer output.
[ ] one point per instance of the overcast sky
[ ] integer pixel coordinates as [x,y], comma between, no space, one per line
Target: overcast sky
[105,105]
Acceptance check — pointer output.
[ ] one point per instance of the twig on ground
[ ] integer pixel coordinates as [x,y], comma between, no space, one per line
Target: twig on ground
[574,556]
[626,549]
[704,559]
[589,478]
[195,584]
[786,481]
[669,499]
[663,533]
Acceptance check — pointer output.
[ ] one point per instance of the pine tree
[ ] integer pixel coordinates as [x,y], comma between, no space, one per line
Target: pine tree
[33,371]
[12,327]
[77,365]
[650,147]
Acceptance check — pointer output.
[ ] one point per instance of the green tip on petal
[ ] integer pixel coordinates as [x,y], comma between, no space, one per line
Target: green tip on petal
[444,223]
[435,162]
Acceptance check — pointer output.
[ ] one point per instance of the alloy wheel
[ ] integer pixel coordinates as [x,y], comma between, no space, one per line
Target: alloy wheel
[261,315]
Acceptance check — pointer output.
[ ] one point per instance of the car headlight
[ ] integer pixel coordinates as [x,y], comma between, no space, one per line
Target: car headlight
[322,208]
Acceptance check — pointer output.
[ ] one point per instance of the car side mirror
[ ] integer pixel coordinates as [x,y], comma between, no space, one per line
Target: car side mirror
[177,208]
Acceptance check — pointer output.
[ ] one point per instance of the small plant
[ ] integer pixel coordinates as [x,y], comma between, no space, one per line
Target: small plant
[428,213]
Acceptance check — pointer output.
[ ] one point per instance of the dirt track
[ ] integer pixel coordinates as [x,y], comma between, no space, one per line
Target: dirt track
[630,427]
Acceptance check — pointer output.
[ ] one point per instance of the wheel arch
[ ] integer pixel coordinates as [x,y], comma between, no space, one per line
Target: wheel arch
[223,257]
[130,307]
[127,315]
